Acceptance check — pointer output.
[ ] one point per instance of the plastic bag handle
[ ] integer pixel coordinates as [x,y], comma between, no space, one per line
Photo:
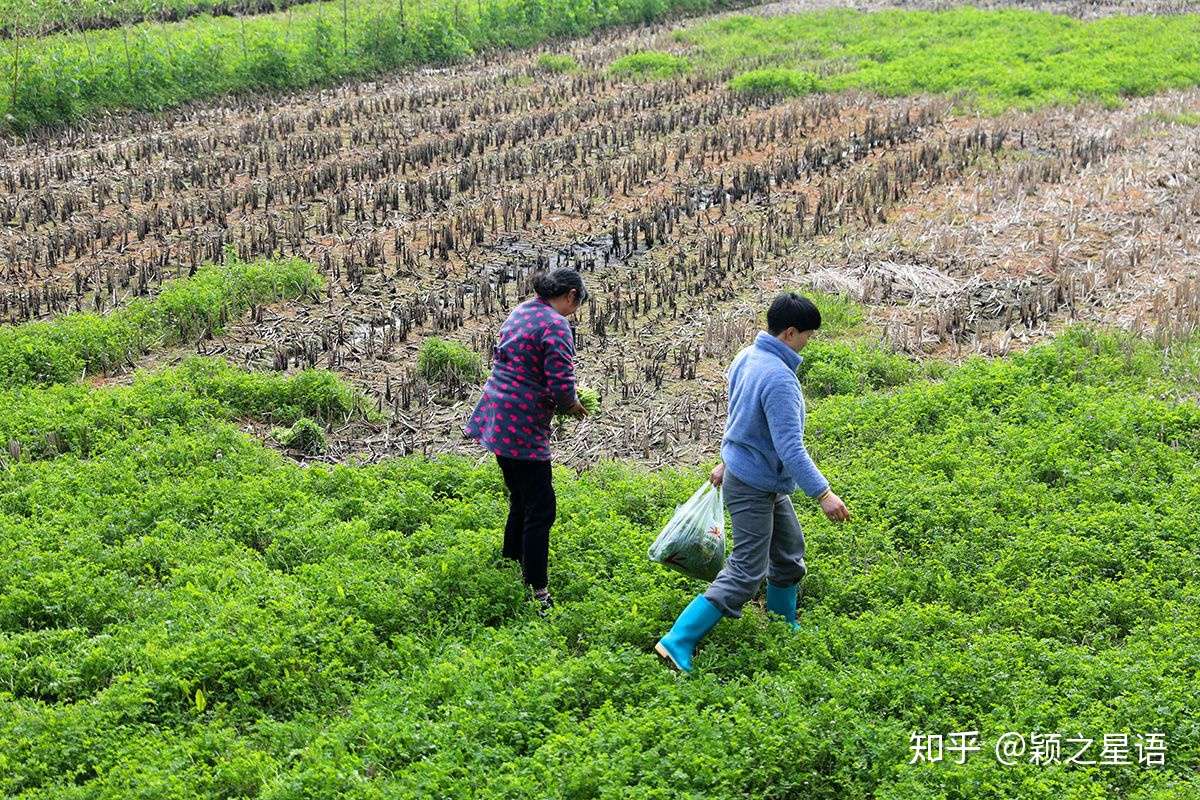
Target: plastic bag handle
[716,497]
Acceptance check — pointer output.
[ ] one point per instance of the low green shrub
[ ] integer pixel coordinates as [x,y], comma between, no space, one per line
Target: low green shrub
[83,420]
[853,367]
[74,345]
[304,436]
[649,64]
[68,76]
[557,62]
[439,360]
[45,16]
[841,315]
[995,58]
[186,613]
[775,82]
[1186,119]
[201,304]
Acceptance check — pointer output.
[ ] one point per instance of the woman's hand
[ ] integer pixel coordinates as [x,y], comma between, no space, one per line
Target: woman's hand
[717,475]
[834,508]
[578,410]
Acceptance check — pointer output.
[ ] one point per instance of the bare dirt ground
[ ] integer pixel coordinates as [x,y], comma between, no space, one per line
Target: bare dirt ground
[429,199]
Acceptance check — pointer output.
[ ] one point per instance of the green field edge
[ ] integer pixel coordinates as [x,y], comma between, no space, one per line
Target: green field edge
[80,344]
[34,18]
[186,613]
[60,79]
[990,60]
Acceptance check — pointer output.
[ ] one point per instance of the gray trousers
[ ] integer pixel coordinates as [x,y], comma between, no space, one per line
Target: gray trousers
[767,543]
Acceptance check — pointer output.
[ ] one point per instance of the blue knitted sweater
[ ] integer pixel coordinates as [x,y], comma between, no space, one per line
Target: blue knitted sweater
[764,432]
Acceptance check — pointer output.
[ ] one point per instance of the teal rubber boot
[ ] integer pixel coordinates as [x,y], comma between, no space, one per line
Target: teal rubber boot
[782,600]
[679,644]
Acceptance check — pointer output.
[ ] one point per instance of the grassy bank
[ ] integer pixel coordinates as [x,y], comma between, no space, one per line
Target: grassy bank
[74,345]
[998,59]
[65,77]
[184,613]
[41,17]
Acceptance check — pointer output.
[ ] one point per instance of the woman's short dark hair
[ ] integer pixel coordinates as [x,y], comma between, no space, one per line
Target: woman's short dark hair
[559,281]
[792,310]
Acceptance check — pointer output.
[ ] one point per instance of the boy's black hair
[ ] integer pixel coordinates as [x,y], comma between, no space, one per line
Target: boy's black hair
[792,310]
[559,281]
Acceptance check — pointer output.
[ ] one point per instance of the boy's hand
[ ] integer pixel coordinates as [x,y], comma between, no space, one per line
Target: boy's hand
[717,475]
[834,508]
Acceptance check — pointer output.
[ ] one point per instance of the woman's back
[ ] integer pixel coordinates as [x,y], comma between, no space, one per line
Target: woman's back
[532,374]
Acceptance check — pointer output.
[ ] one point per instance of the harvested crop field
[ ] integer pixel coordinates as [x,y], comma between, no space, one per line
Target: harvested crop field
[429,198]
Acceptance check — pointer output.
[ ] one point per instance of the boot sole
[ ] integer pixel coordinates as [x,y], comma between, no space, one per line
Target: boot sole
[665,655]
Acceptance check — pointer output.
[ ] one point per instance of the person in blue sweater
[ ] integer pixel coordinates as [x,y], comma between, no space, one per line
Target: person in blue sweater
[763,462]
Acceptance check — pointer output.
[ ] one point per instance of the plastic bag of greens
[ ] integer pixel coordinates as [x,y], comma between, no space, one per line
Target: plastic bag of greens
[693,542]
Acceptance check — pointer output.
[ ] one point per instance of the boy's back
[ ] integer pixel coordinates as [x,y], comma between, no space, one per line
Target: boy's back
[763,443]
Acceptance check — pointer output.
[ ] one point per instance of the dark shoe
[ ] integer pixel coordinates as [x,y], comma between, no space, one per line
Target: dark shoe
[545,601]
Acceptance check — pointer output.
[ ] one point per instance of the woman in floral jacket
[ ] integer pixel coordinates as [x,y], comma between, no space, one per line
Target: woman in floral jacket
[532,376]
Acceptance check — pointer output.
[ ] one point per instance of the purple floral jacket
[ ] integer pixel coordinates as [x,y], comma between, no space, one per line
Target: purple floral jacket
[532,374]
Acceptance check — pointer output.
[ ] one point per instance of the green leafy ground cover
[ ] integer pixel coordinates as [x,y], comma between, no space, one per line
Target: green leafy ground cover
[64,77]
[649,64]
[46,16]
[847,356]
[439,359]
[557,62]
[187,613]
[73,345]
[999,59]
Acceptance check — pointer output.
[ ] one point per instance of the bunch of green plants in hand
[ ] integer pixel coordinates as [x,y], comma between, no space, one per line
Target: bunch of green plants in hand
[589,402]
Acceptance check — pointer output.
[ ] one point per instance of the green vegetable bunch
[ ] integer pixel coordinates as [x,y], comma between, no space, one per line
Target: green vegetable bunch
[588,398]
